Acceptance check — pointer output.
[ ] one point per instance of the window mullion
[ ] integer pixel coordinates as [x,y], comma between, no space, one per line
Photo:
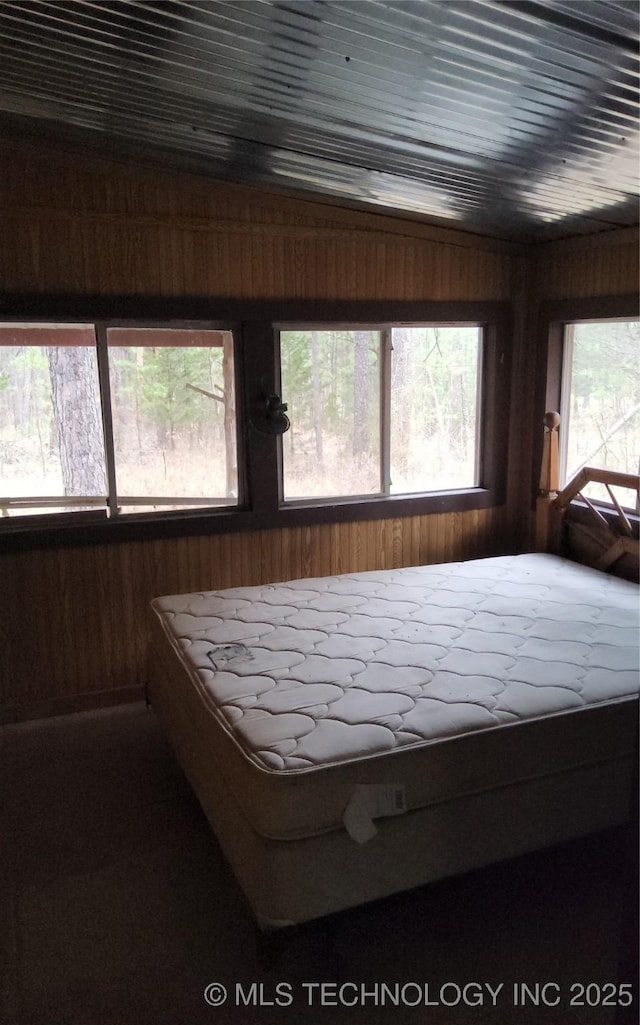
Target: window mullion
[385,411]
[102,350]
[565,400]
[261,374]
[480,445]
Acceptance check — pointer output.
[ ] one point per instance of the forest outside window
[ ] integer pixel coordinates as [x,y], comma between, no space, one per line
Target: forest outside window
[601,401]
[137,418]
[115,419]
[380,411]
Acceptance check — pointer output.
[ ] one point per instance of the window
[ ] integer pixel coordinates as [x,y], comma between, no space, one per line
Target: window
[140,418]
[600,404]
[434,408]
[331,382]
[115,419]
[384,410]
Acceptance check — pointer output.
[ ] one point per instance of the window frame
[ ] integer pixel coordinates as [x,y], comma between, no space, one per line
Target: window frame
[385,355]
[385,330]
[553,318]
[255,326]
[108,510]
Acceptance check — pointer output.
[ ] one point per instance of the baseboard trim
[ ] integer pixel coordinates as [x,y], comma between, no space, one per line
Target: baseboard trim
[47,708]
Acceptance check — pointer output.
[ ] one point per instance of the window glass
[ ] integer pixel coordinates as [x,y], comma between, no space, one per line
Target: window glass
[331,384]
[434,408]
[108,419]
[174,421]
[363,424]
[51,434]
[601,401]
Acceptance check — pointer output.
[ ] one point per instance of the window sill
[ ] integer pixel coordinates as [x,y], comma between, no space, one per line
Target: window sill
[74,532]
[385,506]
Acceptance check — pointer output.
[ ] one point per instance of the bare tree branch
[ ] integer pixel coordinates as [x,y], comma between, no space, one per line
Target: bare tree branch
[209,394]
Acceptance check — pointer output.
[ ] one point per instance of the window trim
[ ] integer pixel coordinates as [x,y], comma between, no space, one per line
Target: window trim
[253,323]
[385,331]
[115,497]
[553,316]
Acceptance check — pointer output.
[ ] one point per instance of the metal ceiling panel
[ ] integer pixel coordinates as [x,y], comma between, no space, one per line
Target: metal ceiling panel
[514,118]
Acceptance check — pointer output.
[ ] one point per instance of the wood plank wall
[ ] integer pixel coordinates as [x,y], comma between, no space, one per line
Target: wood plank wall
[605,264]
[90,227]
[595,265]
[75,620]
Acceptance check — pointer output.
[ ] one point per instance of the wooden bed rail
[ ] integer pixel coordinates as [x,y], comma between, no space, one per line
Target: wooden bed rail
[592,475]
[607,539]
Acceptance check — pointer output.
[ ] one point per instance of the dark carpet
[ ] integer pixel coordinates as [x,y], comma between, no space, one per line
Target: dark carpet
[119,909]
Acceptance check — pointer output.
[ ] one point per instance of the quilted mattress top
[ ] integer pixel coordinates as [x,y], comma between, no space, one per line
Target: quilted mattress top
[317,672]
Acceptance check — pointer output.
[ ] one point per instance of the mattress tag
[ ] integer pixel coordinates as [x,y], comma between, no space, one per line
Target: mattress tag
[371,801]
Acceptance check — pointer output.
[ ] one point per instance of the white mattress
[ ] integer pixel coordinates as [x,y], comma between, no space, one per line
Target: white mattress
[442,680]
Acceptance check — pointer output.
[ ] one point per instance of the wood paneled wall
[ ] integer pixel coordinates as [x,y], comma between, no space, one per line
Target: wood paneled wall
[75,621]
[92,227]
[605,264]
[595,265]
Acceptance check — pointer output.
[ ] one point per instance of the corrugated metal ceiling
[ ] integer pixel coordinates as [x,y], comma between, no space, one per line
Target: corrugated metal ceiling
[515,119]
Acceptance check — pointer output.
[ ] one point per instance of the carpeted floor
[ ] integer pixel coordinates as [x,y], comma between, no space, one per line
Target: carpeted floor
[117,907]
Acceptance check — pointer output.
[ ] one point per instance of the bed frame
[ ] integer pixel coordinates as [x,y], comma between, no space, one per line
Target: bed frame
[606,541]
